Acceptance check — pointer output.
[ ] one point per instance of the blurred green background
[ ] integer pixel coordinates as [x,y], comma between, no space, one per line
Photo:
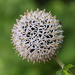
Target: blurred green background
[10,62]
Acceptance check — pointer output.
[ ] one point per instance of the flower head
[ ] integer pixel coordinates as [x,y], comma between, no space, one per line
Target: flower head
[37,36]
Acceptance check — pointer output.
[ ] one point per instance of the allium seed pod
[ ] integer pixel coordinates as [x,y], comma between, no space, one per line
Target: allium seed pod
[37,36]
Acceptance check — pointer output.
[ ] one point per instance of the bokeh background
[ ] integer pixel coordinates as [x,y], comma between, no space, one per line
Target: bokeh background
[10,62]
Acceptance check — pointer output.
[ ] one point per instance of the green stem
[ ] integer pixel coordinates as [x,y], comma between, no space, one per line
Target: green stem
[59,62]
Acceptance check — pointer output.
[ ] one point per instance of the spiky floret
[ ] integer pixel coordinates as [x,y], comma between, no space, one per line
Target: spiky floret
[37,36]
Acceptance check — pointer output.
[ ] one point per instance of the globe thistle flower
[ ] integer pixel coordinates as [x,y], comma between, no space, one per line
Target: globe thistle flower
[37,36]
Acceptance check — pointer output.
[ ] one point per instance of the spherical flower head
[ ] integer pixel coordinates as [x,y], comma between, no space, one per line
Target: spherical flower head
[37,36]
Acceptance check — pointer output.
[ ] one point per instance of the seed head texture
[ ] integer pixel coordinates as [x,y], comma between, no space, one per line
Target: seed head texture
[37,36]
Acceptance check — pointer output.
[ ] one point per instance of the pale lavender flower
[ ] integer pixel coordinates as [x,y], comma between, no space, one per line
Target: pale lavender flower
[37,36]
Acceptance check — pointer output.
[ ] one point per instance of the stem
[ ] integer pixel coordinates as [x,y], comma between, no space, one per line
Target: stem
[59,62]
